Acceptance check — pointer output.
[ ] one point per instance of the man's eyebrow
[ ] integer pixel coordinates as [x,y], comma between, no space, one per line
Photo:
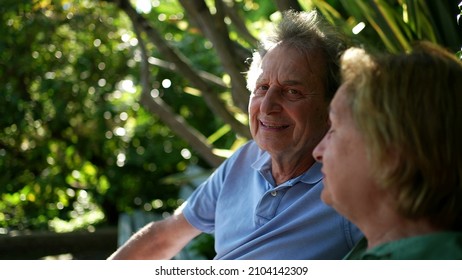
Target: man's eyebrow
[261,79]
[291,82]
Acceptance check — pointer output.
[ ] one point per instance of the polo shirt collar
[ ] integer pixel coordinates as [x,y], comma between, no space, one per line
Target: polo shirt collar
[263,165]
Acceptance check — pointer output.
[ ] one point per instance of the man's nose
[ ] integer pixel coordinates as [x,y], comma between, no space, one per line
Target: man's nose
[272,100]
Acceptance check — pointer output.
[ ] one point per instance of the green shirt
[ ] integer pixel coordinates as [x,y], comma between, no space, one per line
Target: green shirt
[435,246]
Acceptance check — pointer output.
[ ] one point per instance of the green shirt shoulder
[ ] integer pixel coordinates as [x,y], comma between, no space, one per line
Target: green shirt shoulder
[436,246]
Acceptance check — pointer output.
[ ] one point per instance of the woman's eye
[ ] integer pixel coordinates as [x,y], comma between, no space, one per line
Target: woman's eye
[330,132]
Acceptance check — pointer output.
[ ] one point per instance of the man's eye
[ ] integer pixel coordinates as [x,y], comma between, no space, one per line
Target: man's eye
[293,92]
[261,89]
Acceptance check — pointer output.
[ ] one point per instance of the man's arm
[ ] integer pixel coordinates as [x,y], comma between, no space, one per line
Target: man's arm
[158,240]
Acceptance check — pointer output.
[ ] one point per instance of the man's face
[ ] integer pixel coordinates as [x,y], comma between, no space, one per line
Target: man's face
[287,109]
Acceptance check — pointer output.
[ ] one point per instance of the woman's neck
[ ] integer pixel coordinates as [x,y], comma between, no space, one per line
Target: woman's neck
[395,227]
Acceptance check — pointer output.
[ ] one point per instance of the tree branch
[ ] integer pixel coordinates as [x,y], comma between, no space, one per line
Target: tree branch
[184,68]
[176,123]
[233,14]
[215,29]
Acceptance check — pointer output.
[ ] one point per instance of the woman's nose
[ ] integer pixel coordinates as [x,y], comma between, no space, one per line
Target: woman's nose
[319,150]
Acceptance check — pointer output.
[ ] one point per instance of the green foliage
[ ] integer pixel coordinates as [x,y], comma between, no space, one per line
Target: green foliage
[74,139]
[459,22]
[394,25]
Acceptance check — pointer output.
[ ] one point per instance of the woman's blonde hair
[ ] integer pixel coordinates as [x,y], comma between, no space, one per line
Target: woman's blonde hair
[409,109]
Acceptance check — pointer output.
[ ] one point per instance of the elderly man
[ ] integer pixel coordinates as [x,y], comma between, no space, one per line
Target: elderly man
[264,201]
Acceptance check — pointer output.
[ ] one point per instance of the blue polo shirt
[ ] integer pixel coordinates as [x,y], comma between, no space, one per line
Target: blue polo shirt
[252,218]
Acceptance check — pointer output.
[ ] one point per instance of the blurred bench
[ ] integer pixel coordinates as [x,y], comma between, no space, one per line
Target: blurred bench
[129,223]
[80,245]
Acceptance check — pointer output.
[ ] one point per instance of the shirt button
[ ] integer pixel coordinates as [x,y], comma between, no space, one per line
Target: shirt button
[274,193]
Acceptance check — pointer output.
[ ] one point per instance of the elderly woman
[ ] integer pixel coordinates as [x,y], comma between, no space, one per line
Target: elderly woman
[392,158]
